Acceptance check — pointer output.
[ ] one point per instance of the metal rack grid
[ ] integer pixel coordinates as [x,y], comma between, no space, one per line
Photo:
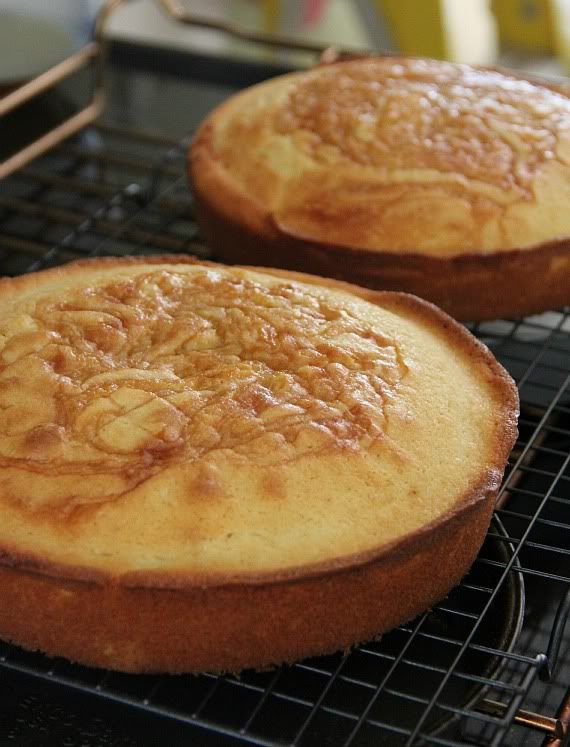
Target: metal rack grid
[455,675]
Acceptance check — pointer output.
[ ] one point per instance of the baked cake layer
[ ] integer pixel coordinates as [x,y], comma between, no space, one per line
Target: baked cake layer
[179,435]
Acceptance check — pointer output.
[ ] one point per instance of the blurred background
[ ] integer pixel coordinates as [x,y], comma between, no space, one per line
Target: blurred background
[531,35]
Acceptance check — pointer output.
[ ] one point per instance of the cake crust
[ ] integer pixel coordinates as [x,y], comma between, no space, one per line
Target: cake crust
[190,618]
[228,628]
[325,187]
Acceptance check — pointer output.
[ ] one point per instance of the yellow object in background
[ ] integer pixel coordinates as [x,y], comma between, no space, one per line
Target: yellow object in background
[271,13]
[525,25]
[560,14]
[457,30]
[417,27]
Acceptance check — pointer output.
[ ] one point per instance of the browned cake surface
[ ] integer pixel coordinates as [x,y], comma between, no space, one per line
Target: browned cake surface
[216,432]
[410,160]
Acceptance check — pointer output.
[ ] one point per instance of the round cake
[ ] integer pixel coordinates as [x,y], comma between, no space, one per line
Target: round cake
[444,180]
[213,468]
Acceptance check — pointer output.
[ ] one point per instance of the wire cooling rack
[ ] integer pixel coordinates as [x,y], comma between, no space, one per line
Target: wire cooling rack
[480,668]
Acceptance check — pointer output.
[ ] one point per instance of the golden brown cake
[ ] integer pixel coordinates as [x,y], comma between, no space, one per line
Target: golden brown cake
[443,180]
[208,468]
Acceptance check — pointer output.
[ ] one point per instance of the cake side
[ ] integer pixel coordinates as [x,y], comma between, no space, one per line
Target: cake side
[229,628]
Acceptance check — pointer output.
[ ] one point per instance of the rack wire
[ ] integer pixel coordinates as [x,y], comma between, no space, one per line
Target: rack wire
[471,670]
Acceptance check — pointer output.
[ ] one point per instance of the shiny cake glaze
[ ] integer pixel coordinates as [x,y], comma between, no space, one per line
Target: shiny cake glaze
[167,367]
